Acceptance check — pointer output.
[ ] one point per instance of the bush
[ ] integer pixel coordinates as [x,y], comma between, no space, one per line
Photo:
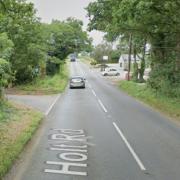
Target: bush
[93,62]
[24,75]
[5,74]
[164,78]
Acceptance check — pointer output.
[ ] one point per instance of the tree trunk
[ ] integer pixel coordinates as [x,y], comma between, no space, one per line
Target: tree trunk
[42,70]
[2,94]
[142,68]
[135,65]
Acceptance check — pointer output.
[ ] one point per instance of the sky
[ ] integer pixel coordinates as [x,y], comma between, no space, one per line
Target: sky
[62,9]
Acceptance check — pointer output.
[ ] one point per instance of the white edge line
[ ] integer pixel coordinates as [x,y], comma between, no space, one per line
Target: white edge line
[52,105]
[94,93]
[102,105]
[137,159]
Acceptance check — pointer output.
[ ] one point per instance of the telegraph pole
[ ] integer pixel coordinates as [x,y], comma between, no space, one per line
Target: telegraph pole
[129,57]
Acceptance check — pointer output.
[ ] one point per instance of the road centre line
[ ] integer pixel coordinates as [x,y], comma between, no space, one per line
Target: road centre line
[52,105]
[137,159]
[94,93]
[99,101]
[102,105]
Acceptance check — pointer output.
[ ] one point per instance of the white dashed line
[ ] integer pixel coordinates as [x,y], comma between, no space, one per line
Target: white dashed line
[94,93]
[102,105]
[130,148]
[54,102]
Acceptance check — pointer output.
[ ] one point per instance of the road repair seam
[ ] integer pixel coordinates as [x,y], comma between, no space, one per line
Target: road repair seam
[137,159]
[52,105]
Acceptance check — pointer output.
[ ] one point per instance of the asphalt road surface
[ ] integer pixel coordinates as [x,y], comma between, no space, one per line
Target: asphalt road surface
[100,133]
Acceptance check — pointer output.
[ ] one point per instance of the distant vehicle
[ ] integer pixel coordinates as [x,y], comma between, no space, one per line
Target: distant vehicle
[110,72]
[77,82]
[73,59]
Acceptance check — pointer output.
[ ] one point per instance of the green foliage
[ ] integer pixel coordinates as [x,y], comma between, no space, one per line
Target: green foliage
[6,46]
[104,49]
[5,111]
[93,62]
[64,37]
[68,37]
[165,79]
[154,21]
[115,54]
[49,84]
[30,46]
[18,20]
[135,72]
[167,105]
[12,141]
[5,75]
[53,65]
[141,71]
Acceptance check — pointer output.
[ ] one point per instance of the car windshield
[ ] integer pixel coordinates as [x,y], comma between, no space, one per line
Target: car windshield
[75,79]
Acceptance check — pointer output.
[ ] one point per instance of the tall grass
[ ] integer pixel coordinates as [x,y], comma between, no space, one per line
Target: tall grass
[49,84]
[16,128]
[167,105]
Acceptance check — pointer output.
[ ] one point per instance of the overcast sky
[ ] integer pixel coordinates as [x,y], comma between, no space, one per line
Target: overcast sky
[62,9]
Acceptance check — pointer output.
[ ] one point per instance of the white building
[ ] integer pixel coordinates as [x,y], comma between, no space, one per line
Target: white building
[123,61]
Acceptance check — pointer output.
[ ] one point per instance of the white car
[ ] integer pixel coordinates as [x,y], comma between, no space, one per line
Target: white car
[110,72]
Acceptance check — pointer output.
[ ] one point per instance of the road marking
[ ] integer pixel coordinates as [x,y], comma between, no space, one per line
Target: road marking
[52,105]
[69,131]
[73,156]
[94,93]
[137,159]
[102,105]
[65,168]
[71,147]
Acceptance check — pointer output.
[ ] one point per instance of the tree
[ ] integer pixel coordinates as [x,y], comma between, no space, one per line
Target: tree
[154,21]
[5,75]
[101,50]
[6,49]
[18,20]
[64,37]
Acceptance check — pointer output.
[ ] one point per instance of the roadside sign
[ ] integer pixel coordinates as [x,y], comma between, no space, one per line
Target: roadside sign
[105,58]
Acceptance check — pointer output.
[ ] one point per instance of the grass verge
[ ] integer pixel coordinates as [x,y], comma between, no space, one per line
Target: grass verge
[48,85]
[17,125]
[169,106]
[85,59]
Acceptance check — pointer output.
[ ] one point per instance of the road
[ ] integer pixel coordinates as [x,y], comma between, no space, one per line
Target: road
[100,133]
[40,102]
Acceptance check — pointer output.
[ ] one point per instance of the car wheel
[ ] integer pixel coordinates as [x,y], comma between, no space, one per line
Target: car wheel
[117,74]
[105,74]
